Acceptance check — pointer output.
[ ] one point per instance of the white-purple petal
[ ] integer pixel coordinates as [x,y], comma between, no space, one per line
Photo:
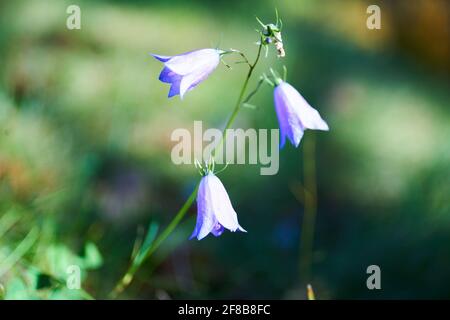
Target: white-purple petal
[174,89]
[205,216]
[191,80]
[189,62]
[294,114]
[217,230]
[161,58]
[187,70]
[290,124]
[214,210]
[168,76]
[222,207]
[310,117]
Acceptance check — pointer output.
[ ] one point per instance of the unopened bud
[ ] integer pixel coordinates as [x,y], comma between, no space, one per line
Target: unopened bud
[279,44]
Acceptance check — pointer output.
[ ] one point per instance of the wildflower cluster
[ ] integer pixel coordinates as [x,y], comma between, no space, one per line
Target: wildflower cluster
[187,70]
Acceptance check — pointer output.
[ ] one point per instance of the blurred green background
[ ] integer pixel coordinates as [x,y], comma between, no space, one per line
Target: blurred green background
[85,150]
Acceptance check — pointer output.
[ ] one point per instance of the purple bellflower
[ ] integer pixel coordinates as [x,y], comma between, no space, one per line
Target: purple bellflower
[294,114]
[185,71]
[214,210]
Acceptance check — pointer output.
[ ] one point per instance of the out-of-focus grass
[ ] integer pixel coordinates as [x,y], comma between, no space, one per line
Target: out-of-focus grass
[85,151]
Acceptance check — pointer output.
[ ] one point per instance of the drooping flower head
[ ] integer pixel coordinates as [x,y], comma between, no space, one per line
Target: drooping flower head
[214,210]
[185,71]
[294,114]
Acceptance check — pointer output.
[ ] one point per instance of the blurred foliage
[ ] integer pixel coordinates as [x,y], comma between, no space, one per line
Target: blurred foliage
[85,150]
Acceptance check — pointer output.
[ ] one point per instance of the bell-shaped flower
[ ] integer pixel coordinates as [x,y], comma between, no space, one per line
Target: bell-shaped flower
[214,210]
[294,114]
[185,71]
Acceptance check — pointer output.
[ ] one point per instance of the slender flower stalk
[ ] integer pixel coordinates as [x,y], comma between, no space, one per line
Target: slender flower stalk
[125,281]
[214,210]
[240,99]
[129,275]
[310,209]
[185,71]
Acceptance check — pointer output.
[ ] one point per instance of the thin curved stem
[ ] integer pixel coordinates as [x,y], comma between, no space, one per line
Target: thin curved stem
[241,54]
[251,94]
[129,275]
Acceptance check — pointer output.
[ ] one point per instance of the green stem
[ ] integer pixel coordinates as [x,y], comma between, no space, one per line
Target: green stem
[310,211]
[129,275]
[7,221]
[239,101]
[251,94]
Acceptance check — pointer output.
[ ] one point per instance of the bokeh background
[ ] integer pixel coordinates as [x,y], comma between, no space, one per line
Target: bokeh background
[85,150]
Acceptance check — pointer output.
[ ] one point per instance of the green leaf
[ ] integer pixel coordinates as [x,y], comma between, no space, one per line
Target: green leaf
[92,257]
[16,290]
[147,244]
[58,259]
